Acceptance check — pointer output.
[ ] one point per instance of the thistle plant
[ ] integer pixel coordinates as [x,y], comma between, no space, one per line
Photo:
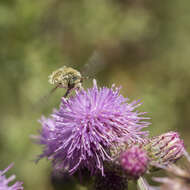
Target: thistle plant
[101,131]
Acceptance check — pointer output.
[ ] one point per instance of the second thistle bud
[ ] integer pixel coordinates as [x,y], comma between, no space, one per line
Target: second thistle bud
[165,149]
[134,162]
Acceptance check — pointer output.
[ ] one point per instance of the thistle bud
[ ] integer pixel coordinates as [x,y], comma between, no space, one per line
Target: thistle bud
[165,149]
[134,162]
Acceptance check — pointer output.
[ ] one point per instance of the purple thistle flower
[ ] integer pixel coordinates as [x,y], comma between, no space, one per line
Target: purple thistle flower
[134,161]
[5,181]
[81,132]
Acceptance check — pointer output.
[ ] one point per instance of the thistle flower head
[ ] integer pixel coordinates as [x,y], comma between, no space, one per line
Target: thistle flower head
[86,125]
[134,161]
[4,182]
[165,149]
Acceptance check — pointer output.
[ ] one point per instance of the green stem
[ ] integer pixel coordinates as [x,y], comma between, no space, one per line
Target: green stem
[141,184]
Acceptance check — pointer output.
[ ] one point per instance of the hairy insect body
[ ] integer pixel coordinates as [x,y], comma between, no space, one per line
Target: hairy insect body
[66,77]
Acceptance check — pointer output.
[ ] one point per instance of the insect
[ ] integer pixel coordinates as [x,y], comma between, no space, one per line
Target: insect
[66,77]
[70,79]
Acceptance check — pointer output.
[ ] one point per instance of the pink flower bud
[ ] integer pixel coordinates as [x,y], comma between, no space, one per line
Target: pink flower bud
[134,161]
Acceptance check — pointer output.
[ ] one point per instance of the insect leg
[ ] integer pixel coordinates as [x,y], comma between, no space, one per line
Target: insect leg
[67,92]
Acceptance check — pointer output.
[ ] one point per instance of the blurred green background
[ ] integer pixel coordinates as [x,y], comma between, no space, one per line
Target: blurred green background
[144,46]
